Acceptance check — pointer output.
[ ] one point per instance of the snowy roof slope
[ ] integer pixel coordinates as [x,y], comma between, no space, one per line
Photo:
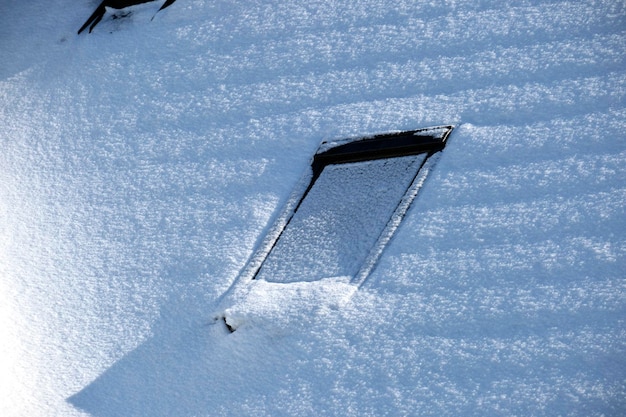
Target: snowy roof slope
[142,163]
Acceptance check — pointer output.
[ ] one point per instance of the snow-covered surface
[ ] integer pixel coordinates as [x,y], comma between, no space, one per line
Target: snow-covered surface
[340,220]
[142,164]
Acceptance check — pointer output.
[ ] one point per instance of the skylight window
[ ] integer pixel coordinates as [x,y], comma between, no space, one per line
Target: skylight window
[351,203]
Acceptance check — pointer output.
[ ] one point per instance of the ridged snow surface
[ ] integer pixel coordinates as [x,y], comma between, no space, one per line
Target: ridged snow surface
[141,166]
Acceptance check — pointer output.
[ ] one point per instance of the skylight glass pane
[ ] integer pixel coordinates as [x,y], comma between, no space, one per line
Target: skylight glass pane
[340,219]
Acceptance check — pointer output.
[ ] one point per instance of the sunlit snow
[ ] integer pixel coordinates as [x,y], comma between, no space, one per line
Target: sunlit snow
[143,163]
[340,219]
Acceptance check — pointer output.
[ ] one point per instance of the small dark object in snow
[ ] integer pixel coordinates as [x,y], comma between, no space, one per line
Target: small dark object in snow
[97,16]
[228,326]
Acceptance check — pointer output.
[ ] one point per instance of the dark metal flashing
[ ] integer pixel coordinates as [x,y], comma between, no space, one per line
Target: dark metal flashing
[388,145]
[383,146]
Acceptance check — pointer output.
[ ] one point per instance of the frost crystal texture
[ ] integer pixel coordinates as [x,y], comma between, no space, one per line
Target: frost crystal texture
[340,219]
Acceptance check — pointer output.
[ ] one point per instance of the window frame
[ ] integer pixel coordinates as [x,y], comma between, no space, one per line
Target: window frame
[431,140]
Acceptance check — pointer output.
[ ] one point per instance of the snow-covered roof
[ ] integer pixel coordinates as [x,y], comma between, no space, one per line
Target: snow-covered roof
[143,163]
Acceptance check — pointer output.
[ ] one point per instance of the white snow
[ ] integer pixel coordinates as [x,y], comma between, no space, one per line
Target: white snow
[340,219]
[142,165]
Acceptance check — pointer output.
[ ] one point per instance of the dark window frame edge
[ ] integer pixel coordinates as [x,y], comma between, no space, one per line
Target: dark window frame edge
[327,153]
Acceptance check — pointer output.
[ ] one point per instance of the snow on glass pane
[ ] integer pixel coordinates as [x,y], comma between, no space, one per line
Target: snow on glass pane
[340,219]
